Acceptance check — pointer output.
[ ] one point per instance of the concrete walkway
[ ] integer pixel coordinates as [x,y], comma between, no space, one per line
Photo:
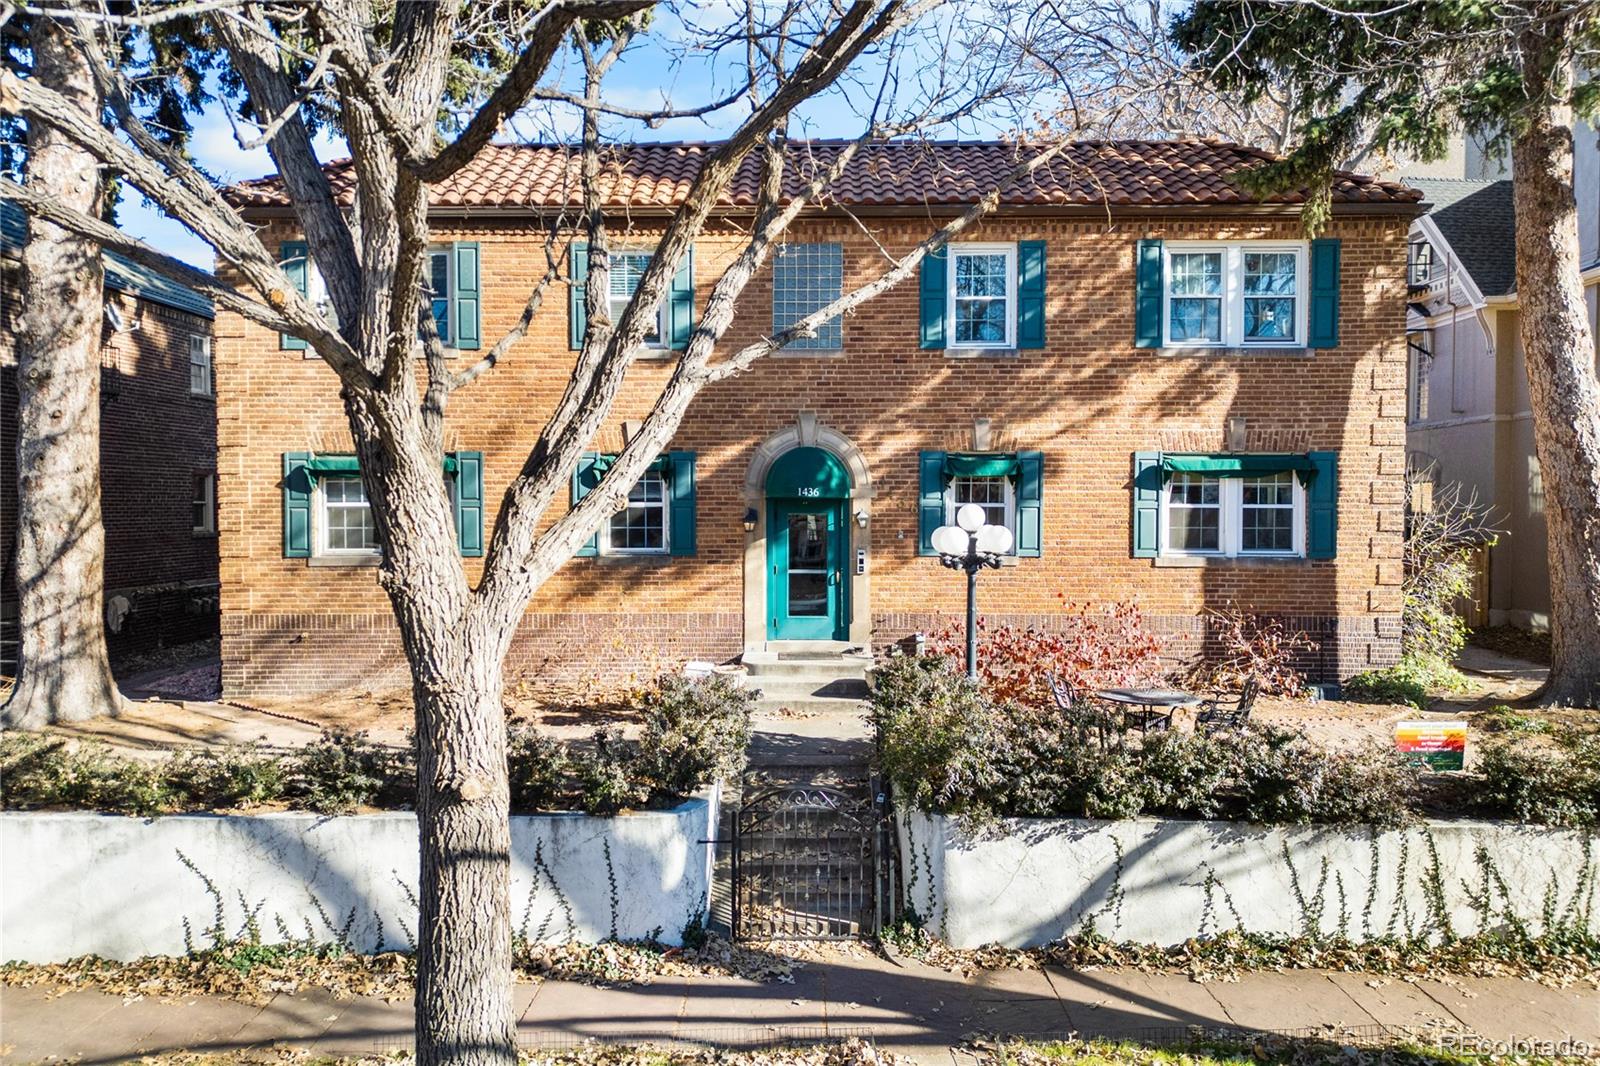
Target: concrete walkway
[908,1008]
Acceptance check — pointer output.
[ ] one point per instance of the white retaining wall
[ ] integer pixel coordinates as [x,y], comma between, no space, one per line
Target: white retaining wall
[76,883]
[1025,882]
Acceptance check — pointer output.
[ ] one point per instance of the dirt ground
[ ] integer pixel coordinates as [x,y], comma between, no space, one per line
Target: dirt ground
[175,704]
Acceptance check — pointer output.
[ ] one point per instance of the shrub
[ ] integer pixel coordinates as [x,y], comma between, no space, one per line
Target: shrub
[933,731]
[1409,681]
[231,777]
[1254,646]
[1441,541]
[1089,648]
[41,771]
[1502,719]
[605,776]
[537,769]
[948,751]
[1552,784]
[343,771]
[696,732]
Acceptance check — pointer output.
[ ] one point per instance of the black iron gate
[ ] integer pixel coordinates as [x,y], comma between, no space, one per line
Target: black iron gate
[811,861]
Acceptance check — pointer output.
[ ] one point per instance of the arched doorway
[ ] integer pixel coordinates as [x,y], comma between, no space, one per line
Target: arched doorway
[808,593]
[806,559]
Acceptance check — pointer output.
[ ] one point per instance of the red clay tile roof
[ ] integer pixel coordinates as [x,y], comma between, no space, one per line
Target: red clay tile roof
[1088,173]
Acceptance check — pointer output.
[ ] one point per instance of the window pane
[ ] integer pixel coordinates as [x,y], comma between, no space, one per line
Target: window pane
[1268,529]
[980,275]
[350,526]
[980,321]
[642,525]
[987,492]
[439,273]
[1194,490]
[1196,273]
[1194,319]
[627,270]
[1269,319]
[1278,489]
[1194,529]
[441,319]
[1269,274]
[806,277]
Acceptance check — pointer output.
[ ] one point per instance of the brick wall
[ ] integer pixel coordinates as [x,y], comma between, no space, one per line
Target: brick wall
[154,436]
[1088,400]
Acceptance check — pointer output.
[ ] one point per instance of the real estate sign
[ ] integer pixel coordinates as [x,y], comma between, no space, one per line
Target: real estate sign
[1437,745]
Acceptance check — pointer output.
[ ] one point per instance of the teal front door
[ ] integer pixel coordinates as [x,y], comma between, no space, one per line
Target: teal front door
[805,560]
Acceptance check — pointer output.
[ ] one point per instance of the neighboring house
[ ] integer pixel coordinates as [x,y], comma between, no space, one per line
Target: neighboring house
[1467,408]
[158,447]
[1166,391]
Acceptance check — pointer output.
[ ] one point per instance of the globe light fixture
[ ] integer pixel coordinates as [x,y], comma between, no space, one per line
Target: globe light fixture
[971,545]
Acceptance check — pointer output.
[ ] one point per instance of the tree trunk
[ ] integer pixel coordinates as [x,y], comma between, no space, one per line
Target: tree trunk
[1558,349]
[65,672]
[463,815]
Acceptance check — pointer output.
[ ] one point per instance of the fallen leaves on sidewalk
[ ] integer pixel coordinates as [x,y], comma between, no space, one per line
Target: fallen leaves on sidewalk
[638,964]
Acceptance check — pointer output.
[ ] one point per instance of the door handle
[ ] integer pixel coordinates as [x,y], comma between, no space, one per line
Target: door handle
[833,577]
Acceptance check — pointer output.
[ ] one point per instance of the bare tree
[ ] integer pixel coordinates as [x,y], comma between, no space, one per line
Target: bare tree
[1123,76]
[65,672]
[387,75]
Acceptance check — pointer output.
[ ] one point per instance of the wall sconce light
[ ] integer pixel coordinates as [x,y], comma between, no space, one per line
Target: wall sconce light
[861,519]
[750,517]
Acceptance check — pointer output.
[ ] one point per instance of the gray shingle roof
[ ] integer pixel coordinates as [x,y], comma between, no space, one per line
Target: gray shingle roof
[122,274]
[1477,218]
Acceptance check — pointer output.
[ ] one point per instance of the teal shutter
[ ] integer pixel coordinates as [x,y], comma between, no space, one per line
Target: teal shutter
[681,531]
[467,304]
[1030,294]
[1146,504]
[680,305]
[1147,296]
[1030,504]
[934,294]
[577,313]
[930,495]
[585,478]
[1322,507]
[292,258]
[1324,331]
[469,503]
[296,506]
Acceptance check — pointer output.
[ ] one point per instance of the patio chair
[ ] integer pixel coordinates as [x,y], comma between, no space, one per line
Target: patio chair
[1221,712]
[1087,716]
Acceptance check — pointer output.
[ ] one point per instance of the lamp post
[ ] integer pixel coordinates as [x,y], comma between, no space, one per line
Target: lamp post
[970,545]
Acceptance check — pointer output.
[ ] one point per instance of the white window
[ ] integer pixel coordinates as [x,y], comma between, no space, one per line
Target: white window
[204,503]
[1419,358]
[346,526]
[1234,295]
[983,296]
[199,365]
[640,528]
[1262,515]
[440,287]
[994,494]
[627,269]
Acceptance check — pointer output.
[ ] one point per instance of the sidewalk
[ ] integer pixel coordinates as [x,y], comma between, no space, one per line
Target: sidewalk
[910,1009]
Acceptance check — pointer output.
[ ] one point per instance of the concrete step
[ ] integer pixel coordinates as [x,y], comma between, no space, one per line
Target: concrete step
[790,686]
[810,705]
[809,647]
[764,665]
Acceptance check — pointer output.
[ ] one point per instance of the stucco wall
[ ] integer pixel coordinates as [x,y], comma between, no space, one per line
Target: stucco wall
[1029,881]
[78,883]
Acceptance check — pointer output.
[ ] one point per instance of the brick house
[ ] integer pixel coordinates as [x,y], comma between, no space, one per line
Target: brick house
[158,446]
[1165,391]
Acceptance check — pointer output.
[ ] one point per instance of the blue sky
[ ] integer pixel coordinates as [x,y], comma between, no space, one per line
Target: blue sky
[669,64]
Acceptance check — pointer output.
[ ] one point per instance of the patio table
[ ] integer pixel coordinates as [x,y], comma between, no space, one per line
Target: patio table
[1149,706]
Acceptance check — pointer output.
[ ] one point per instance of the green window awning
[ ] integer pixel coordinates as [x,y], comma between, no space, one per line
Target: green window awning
[962,464]
[602,463]
[1234,465]
[350,466]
